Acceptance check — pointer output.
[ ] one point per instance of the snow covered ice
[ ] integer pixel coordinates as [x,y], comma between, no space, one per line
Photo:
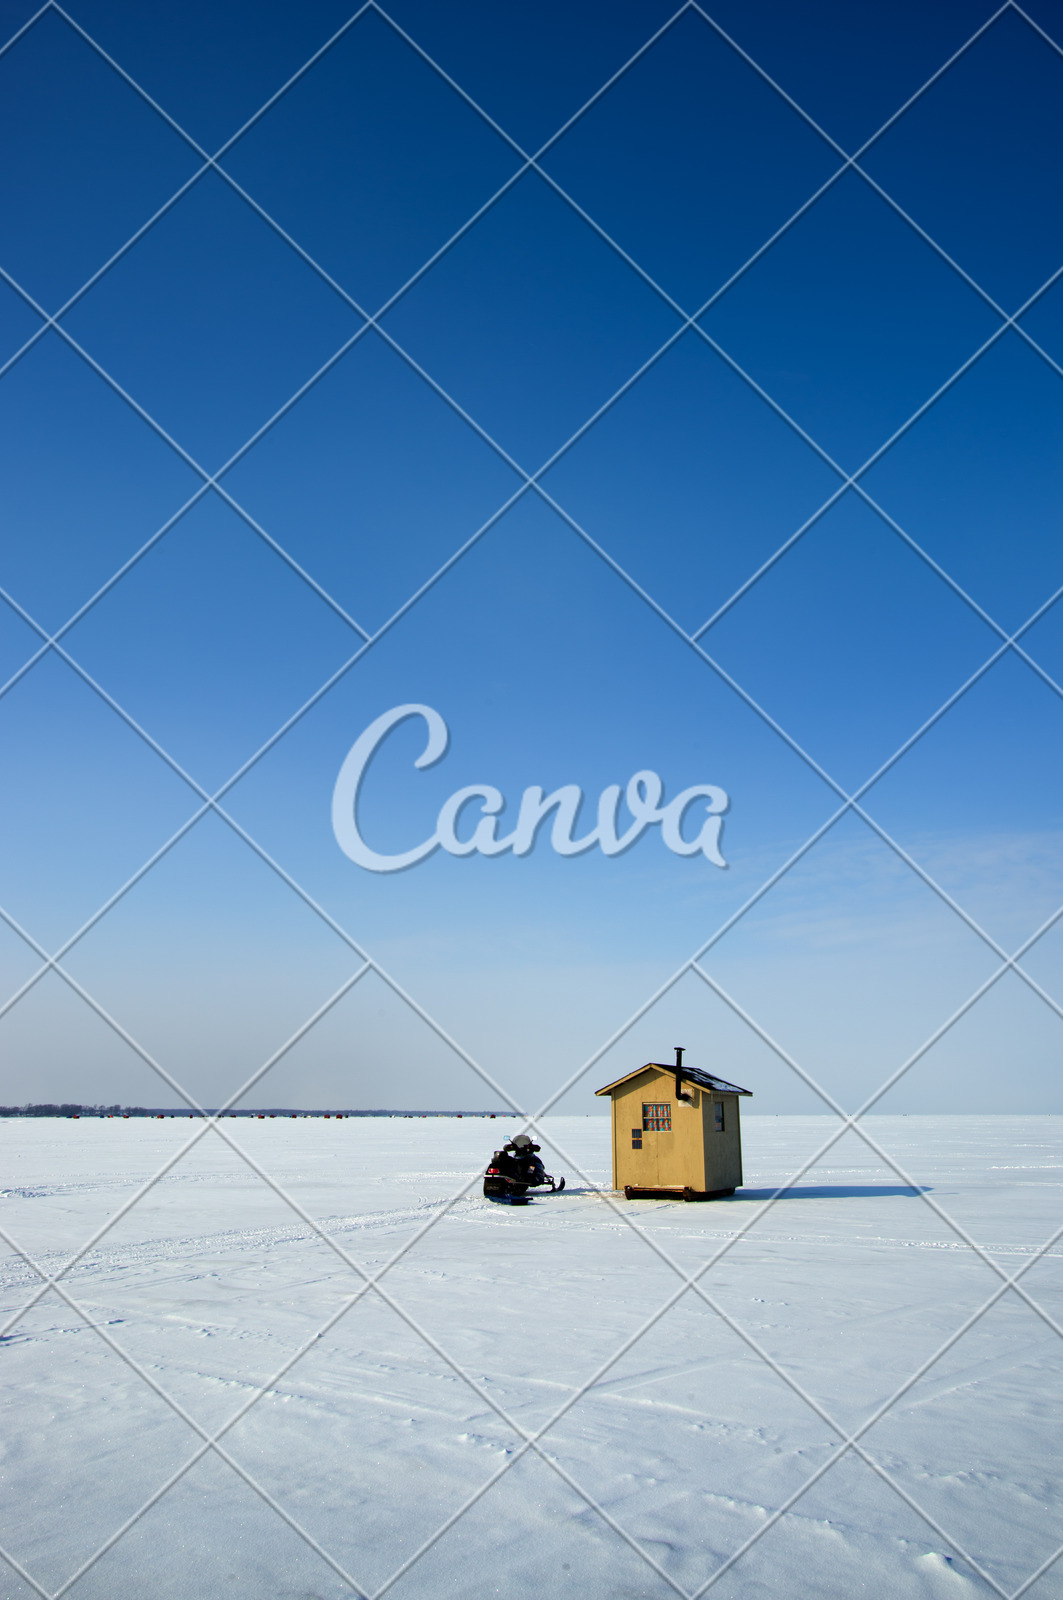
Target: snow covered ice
[372,1439]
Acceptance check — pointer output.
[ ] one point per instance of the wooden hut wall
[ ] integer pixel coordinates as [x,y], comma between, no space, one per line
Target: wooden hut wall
[723,1148]
[675,1157]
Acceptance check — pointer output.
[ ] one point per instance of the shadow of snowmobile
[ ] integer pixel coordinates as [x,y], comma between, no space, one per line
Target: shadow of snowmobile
[515,1169]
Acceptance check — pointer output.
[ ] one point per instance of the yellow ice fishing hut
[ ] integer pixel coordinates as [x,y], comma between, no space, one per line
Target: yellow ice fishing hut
[676,1133]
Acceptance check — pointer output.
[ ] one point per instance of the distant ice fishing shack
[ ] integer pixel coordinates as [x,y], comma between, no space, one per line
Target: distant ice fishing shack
[676,1133]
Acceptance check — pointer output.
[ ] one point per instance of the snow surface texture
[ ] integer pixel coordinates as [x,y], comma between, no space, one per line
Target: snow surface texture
[396,1416]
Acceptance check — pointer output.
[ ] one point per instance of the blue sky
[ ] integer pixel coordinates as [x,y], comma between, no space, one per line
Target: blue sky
[699,532]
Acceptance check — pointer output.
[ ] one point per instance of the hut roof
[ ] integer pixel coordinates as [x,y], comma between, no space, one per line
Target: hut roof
[704,1080]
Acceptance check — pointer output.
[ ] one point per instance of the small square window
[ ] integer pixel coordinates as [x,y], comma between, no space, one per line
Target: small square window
[657,1116]
[717,1111]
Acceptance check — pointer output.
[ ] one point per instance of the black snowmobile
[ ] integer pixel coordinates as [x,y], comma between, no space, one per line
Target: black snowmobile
[515,1169]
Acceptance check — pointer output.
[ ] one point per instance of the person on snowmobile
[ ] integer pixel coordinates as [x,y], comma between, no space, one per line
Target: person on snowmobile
[516,1168]
[527,1155]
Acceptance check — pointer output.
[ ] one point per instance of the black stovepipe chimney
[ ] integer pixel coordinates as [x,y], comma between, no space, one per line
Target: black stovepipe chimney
[678,1069]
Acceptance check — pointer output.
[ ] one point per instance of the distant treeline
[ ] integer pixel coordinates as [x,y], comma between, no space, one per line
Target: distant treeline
[73,1111]
[67,1110]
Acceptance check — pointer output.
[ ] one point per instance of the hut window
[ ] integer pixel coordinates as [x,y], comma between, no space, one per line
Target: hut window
[657,1117]
[636,1138]
[717,1112]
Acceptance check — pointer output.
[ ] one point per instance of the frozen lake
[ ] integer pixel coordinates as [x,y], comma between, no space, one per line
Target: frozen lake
[371,1421]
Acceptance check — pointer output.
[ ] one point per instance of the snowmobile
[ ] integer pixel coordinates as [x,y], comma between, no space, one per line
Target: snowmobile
[515,1169]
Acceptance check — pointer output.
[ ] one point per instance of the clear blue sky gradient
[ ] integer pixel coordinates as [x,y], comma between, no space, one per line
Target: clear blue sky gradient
[693,378]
